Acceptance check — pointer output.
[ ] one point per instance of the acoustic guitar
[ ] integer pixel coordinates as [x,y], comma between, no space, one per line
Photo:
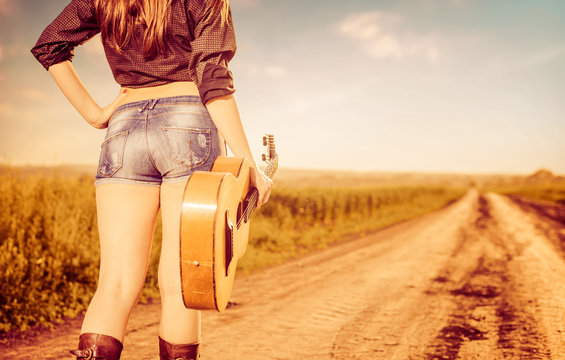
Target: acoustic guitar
[216,209]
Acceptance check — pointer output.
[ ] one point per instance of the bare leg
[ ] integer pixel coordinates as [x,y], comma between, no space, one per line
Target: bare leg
[126,222]
[179,325]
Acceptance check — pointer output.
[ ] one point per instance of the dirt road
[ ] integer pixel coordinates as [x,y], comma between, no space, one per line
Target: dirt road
[480,279]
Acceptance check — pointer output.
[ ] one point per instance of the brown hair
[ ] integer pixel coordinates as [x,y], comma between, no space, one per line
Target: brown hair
[118,17]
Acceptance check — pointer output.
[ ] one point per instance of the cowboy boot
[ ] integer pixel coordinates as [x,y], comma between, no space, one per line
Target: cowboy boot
[97,346]
[168,351]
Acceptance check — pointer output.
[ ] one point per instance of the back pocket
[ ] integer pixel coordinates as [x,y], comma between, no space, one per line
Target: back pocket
[112,154]
[189,147]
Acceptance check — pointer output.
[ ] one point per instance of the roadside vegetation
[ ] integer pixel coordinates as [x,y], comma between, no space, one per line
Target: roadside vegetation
[300,220]
[49,241]
[552,192]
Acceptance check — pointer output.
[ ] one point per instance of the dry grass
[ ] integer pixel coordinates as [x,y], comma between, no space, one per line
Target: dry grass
[552,192]
[49,241]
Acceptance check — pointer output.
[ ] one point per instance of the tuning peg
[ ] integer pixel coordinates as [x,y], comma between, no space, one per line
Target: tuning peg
[264,141]
[264,157]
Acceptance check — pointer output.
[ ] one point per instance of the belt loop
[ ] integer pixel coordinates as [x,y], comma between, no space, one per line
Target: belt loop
[142,108]
[153,103]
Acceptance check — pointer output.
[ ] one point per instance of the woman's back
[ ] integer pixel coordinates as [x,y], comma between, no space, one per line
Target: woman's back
[198,44]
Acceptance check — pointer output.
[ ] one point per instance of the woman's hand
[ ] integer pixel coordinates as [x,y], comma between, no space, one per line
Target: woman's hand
[74,90]
[225,114]
[100,118]
[262,183]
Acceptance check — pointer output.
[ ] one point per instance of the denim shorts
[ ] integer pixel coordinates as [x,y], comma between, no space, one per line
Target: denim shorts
[158,140]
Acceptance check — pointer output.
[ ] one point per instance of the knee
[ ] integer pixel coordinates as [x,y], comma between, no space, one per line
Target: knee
[169,288]
[119,290]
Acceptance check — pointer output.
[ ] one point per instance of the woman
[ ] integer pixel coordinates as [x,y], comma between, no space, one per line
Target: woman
[175,105]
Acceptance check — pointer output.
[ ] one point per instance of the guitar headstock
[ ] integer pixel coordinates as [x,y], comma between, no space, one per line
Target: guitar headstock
[271,157]
[269,142]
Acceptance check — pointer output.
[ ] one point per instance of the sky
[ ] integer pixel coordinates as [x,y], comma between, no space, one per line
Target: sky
[466,86]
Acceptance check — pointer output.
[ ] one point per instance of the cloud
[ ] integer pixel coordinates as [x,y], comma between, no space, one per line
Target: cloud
[7,7]
[15,50]
[35,94]
[363,26]
[7,111]
[539,58]
[380,35]
[1,58]
[454,3]
[244,3]
[274,71]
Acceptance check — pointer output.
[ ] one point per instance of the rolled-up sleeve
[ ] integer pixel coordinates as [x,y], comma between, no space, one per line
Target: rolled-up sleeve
[74,25]
[212,48]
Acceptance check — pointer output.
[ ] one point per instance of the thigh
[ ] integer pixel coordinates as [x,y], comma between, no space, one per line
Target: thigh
[126,222]
[169,264]
[179,325]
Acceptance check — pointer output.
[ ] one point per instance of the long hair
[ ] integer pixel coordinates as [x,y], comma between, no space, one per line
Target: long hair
[117,19]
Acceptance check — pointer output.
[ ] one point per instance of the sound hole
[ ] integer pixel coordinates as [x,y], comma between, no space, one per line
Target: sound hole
[228,228]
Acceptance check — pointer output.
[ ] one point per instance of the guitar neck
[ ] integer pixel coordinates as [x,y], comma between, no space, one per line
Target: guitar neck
[272,167]
[253,194]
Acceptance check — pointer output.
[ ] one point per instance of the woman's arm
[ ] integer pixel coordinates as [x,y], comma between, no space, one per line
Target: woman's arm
[225,114]
[74,90]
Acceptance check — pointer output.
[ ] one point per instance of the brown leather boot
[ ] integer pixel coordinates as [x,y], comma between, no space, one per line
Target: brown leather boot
[168,351]
[97,346]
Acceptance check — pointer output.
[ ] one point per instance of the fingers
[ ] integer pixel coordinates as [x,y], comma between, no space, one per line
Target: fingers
[263,198]
[263,184]
[114,105]
[265,191]
[107,111]
[122,95]
[266,198]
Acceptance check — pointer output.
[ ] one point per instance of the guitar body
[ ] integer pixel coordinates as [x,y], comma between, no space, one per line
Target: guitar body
[211,242]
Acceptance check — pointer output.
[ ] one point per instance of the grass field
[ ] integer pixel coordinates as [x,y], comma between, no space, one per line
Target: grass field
[552,192]
[49,241]
[541,185]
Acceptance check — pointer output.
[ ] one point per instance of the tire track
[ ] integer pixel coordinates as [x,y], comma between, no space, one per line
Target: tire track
[491,314]
[349,312]
[536,276]
[480,279]
[553,216]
